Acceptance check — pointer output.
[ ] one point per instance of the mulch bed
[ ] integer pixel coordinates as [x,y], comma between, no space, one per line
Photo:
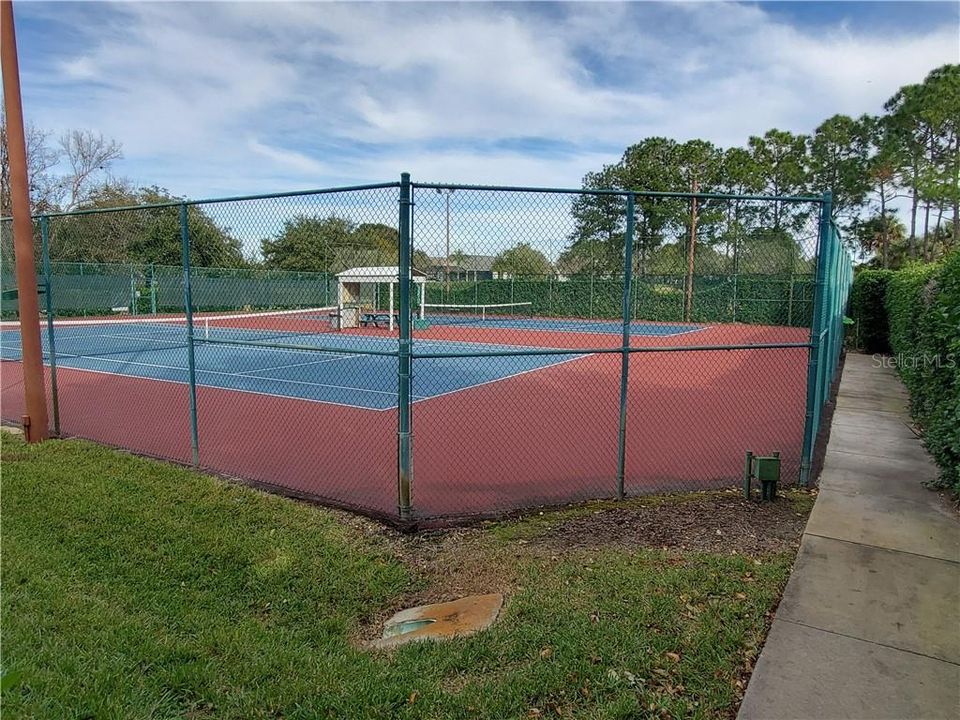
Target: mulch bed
[715,523]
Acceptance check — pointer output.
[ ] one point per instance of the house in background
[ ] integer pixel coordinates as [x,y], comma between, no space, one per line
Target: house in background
[465,268]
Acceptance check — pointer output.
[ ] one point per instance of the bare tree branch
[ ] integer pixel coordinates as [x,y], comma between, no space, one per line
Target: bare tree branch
[87,153]
[41,159]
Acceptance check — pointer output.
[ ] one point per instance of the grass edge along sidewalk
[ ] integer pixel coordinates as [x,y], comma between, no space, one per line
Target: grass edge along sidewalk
[135,588]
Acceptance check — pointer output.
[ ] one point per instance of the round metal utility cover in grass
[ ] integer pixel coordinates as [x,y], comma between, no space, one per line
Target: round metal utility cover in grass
[440,621]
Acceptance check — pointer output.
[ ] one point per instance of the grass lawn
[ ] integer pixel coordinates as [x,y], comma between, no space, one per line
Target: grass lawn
[137,589]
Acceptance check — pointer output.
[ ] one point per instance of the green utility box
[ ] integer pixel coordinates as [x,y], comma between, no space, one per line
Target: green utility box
[766,471]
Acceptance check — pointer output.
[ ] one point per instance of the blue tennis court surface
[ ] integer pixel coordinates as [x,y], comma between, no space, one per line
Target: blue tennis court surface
[329,376]
[602,327]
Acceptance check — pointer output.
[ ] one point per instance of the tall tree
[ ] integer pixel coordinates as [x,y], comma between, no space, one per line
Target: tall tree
[377,236]
[700,164]
[41,160]
[88,154]
[331,244]
[781,159]
[911,134]
[309,243]
[141,235]
[882,170]
[522,260]
[596,242]
[877,235]
[740,176]
[942,113]
[652,164]
[839,154]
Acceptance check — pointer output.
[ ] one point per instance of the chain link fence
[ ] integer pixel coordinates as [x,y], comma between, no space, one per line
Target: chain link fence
[425,352]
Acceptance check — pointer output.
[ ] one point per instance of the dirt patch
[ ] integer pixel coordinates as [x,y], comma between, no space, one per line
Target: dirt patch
[490,558]
[446,565]
[716,523]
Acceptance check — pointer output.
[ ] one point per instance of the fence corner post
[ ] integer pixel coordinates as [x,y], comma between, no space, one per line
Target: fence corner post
[814,369]
[404,369]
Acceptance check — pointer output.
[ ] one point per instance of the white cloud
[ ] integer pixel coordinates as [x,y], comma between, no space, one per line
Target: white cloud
[81,68]
[246,97]
[289,159]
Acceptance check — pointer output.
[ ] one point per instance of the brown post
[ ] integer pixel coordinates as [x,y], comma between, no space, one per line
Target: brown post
[35,421]
[688,309]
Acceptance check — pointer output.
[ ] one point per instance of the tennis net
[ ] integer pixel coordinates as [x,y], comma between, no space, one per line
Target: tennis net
[459,314]
[92,337]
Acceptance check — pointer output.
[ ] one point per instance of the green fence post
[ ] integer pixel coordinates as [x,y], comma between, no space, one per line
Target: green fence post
[834,304]
[827,370]
[813,407]
[404,374]
[790,299]
[188,307]
[842,298]
[51,343]
[133,292]
[591,292]
[153,291]
[625,359]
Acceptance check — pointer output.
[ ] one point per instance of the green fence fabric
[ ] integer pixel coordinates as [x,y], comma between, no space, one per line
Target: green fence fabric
[238,372]
[81,289]
[751,299]
[102,288]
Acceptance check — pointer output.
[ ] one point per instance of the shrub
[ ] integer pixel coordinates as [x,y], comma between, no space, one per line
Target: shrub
[868,309]
[906,305]
[923,303]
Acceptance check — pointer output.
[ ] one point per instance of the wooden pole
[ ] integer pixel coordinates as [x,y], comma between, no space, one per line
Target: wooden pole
[35,421]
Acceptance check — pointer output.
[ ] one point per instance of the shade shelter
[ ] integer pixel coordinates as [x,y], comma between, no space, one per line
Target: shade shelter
[349,282]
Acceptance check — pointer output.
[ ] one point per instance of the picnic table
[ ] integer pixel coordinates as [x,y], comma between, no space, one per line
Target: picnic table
[375,318]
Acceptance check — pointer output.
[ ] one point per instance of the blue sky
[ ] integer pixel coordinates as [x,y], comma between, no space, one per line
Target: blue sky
[237,98]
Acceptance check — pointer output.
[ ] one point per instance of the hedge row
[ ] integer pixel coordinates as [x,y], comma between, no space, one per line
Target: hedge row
[766,300]
[869,311]
[923,304]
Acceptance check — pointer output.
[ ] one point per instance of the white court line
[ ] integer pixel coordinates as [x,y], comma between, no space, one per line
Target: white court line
[248,392]
[423,398]
[180,368]
[583,329]
[251,373]
[182,343]
[416,399]
[268,348]
[381,342]
[683,332]
[62,338]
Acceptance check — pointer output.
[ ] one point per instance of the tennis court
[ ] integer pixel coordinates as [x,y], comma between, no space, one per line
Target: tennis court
[516,316]
[399,378]
[306,412]
[352,370]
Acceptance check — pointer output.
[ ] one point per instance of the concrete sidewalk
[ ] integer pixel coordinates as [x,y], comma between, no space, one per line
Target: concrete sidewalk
[869,624]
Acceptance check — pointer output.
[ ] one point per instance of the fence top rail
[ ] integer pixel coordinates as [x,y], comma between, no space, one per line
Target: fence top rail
[439,186]
[623,193]
[212,201]
[253,271]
